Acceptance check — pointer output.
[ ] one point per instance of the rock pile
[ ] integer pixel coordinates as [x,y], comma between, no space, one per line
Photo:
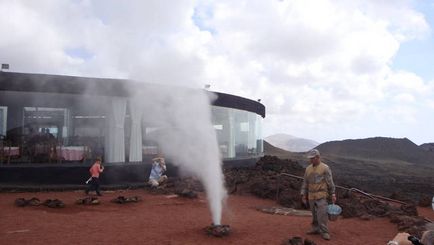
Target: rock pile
[184,187]
[22,202]
[218,230]
[265,180]
[51,203]
[298,241]
[123,200]
[88,201]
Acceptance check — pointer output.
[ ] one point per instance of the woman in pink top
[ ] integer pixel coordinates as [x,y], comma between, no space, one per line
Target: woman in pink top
[95,170]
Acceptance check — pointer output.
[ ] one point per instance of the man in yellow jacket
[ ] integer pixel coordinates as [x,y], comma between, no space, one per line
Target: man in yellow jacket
[316,188]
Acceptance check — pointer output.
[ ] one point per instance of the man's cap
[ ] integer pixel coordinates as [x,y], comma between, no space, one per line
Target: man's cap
[312,153]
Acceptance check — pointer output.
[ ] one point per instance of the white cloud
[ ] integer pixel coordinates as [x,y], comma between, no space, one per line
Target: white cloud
[430,103]
[405,98]
[405,81]
[314,63]
[330,67]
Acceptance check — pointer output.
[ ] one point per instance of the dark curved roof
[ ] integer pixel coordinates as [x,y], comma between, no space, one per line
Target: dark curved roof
[237,102]
[26,82]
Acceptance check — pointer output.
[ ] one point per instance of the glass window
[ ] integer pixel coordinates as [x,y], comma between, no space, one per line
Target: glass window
[238,132]
[149,140]
[44,120]
[88,129]
[3,120]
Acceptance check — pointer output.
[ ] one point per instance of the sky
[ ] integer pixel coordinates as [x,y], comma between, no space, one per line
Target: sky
[325,70]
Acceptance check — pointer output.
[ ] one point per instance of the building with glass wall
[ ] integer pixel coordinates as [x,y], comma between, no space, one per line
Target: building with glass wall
[58,124]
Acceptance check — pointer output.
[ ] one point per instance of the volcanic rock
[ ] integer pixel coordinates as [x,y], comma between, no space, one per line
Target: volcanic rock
[123,200]
[187,193]
[265,180]
[425,201]
[20,202]
[34,202]
[53,203]
[218,230]
[88,201]
[298,241]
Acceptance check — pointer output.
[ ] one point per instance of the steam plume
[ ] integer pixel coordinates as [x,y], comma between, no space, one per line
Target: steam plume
[185,133]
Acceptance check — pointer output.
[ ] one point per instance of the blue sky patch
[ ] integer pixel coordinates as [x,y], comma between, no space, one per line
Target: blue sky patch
[81,53]
[200,16]
[417,56]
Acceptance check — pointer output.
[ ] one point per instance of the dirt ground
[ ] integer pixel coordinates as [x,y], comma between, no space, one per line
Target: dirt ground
[166,219]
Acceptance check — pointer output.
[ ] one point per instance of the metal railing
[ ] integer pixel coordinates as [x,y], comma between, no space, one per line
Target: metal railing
[372,196]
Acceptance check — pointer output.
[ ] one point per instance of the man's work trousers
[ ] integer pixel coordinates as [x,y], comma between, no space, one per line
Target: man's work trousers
[319,215]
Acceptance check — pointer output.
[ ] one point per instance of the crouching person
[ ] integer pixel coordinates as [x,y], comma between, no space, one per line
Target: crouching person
[158,168]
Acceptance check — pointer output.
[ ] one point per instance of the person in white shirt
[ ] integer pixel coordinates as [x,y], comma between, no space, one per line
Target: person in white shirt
[158,168]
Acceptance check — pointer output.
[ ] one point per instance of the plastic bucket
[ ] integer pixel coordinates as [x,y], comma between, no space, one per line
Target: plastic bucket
[333,211]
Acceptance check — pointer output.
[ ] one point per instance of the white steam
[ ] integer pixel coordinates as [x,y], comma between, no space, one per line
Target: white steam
[181,119]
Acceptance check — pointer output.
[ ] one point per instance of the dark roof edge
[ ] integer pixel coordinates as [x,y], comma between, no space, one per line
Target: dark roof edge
[237,102]
[45,83]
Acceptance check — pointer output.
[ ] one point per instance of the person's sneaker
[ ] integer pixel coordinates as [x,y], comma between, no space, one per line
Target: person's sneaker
[99,194]
[325,236]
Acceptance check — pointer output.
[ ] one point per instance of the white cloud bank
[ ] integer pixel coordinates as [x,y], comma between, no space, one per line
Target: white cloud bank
[322,68]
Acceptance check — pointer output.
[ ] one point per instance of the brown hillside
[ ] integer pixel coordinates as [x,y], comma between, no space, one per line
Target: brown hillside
[379,148]
[383,166]
[428,147]
[271,150]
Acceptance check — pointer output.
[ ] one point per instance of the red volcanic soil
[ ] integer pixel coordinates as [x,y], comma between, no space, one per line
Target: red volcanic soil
[160,219]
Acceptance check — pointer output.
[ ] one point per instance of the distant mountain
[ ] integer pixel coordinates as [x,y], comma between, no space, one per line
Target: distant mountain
[291,143]
[379,148]
[428,147]
[379,165]
[271,150]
